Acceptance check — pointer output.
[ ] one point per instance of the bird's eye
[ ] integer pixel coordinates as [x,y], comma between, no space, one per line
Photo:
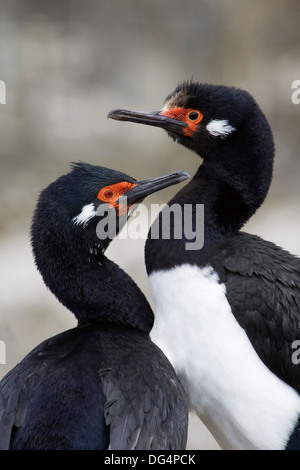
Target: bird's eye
[108,194]
[193,115]
[111,194]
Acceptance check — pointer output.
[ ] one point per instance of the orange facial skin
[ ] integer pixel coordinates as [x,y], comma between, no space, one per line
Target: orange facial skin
[188,115]
[111,194]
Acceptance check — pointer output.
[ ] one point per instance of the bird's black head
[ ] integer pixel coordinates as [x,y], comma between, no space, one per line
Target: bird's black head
[223,125]
[82,211]
[202,116]
[208,115]
[65,218]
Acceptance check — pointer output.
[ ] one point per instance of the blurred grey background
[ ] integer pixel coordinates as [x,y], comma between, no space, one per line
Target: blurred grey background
[67,63]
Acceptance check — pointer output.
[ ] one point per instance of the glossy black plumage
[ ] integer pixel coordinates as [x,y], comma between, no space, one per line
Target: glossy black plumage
[103,384]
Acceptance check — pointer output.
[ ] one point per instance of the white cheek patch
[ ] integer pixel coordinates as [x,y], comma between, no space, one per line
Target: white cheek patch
[87,212]
[220,128]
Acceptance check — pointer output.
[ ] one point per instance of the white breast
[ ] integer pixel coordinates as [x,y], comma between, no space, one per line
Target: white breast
[243,404]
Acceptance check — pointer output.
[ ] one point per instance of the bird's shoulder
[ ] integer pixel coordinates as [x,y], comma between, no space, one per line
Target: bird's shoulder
[250,255]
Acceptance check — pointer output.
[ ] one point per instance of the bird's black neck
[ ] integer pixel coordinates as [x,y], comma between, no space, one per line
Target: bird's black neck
[227,205]
[94,288]
[227,201]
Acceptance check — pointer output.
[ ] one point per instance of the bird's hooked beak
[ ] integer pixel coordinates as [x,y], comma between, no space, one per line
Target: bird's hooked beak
[150,119]
[144,188]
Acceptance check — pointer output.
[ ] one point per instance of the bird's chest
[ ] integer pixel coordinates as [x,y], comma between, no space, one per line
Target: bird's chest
[224,377]
[194,326]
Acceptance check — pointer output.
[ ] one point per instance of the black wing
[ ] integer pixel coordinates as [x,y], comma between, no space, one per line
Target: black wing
[142,416]
[263,289]
[16,390]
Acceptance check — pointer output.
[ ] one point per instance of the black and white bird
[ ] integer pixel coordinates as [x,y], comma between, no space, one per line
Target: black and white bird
[227,315]
[103,384]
